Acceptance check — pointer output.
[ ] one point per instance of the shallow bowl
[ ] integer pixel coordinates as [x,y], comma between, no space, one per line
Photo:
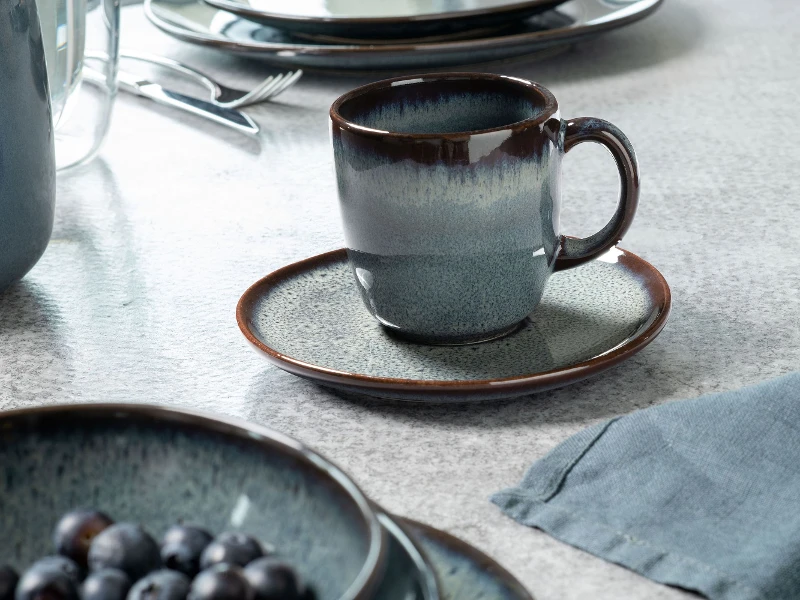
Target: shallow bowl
[158,466]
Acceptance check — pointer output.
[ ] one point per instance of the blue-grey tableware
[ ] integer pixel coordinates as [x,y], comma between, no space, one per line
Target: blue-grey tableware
[27,162]
[308,319]
[449,188]
[384,19]
[196,22]
[463,572]
[408,575]
[157,466]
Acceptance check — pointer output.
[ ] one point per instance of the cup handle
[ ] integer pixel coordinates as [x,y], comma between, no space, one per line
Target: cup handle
[573,251]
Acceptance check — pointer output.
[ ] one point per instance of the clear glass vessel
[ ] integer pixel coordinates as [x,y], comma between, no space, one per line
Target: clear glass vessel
[81,44]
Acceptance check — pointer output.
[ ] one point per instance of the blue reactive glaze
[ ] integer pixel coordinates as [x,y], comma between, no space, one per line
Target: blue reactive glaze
[408,575]
[452,238]
[27,162]
[157,467]
[463,572]
[449,187]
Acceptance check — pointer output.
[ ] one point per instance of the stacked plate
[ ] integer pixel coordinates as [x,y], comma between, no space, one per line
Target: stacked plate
[391,34]
[157,466]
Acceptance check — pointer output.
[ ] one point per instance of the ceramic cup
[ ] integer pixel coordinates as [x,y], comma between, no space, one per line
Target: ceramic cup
[449,188]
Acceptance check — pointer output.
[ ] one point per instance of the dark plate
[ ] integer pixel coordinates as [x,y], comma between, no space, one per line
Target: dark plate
[157,466]
[382,18]
[196,22]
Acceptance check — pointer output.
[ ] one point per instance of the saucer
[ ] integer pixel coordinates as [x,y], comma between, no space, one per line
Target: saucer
[408,574]
[308,319]
[463,572]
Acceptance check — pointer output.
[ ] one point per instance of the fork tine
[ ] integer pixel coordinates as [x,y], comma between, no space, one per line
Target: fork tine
[287,83]
[272,90]
[253,95]
[278,88]
[264,89]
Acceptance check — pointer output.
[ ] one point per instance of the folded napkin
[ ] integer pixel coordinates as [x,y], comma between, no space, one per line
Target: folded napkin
[702,494]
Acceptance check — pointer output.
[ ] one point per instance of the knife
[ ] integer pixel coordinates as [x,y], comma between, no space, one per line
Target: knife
[225,116]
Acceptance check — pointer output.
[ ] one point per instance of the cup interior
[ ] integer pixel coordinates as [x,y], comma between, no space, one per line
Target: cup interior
[465,103]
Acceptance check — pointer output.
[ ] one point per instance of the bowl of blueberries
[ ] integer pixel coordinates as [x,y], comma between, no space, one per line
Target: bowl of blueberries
[135,502]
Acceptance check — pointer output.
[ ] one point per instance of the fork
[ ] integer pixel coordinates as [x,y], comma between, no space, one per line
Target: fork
[221,95]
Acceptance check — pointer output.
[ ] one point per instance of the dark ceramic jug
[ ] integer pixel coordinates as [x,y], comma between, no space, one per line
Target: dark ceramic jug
[27,162]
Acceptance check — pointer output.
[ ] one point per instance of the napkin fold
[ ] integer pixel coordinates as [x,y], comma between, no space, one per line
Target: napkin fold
[702,494]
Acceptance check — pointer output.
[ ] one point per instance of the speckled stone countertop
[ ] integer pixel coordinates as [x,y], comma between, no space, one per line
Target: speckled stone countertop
[155,242]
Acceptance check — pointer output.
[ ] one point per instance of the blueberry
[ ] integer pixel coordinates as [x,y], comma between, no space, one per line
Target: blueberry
[107,584]
[51,578]
[308,594]
[182,546]
[161,585]
[8,582]
[273,579]
[221,582]
[61,564]
[126,547]
[75,531]
[232,548]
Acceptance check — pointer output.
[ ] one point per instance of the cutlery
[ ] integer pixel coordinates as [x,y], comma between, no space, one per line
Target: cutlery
[219,114]
[222,95]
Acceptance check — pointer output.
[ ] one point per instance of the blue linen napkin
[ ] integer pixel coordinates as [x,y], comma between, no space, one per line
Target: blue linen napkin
[702,494]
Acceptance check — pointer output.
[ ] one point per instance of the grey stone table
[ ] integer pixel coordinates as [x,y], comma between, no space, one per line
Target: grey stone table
[155,241]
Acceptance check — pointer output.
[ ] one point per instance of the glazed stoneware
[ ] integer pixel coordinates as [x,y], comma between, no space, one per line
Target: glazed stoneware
[157,466]
[308,319]
[463,572]
[382,19]
[27,162]
[408,576]
[450,189]
[196,22]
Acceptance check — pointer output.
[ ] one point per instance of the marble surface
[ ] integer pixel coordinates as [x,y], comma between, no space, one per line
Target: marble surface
[153,244]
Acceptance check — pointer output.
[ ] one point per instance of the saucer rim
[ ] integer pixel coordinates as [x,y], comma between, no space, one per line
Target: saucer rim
[651,278]
[484,562]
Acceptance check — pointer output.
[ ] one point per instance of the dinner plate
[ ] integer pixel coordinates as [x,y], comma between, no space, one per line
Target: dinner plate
[308,319]
[199,23]
[382,18]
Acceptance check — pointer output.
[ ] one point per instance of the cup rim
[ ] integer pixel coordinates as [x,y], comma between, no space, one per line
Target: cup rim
[550,106]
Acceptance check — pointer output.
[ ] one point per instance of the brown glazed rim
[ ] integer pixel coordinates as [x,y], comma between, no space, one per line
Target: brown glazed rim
[653,281]
[485,562]
[550,106]
[367,580]
[551,35]
[512,7]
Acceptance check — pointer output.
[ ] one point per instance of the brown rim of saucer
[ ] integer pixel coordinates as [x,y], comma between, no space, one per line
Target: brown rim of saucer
[652,281]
